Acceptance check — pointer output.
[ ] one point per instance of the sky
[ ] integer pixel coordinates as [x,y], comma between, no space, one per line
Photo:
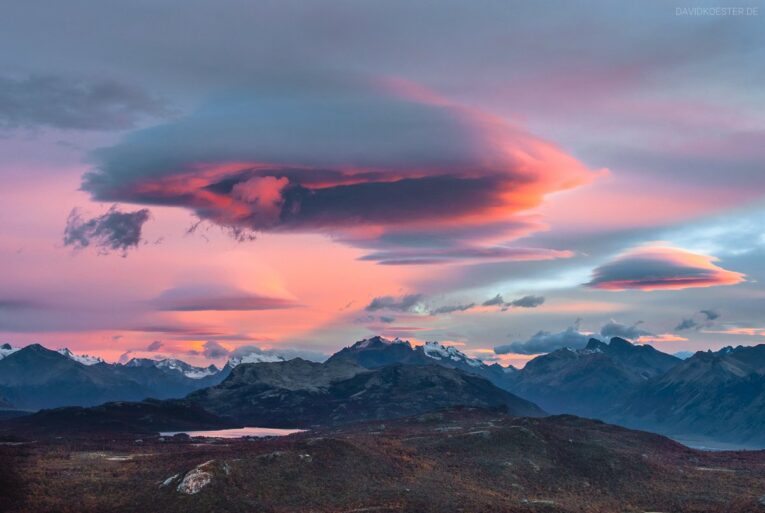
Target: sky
[189,178]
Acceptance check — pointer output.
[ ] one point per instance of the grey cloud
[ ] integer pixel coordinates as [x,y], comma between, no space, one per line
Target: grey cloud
[687,324]
[451,309]
[406,303]
[495,301]
[154,346]
[213,349]
[545,342]
[112,231]
[528,302]
[57,102]
[18,304]
[699,320]
[711,315]
[615,329]
[387,320]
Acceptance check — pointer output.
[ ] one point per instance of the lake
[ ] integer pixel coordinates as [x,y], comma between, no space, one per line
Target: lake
[236,433]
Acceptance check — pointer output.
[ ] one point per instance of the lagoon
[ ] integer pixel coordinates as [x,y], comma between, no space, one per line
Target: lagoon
[236,433]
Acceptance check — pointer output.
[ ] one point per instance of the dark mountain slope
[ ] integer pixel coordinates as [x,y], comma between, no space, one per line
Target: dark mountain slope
[34,377]
[716,394]
[279,395]
[116,418]
[588,381]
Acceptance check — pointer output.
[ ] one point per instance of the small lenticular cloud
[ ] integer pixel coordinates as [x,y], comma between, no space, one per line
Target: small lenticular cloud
[661,268]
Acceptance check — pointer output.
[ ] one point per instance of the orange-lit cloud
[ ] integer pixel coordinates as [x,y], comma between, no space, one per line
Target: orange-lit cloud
[374,163]
[657,267]
[662,337]
[751,332]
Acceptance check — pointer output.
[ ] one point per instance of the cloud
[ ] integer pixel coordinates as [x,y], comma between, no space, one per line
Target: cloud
[217,298]
[356,158]
[18,304]
[662,337]
[154,346]
[57,102]
[497,300]
[522,302]
[545,342]
[112,231]
[699,320]
[213,349]
[687,324]
[573,337]
[661,268]
[457,254]
[711,315]
[631,332]
[451,309]
[387,320]
[408,303]
[527,302]
[286,353]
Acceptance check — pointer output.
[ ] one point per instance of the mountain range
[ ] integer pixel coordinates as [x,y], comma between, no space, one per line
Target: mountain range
[719,395]
[33,377]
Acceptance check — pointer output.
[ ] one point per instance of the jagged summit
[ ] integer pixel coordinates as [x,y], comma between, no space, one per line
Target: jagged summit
[378,341]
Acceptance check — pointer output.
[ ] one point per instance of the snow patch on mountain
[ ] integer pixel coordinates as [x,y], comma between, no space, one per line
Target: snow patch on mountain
[367,342]
[187,370]
[438,351]
[175,365]
[80,358]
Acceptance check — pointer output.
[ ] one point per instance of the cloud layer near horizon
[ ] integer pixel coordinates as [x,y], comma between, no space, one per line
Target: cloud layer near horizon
[358,159]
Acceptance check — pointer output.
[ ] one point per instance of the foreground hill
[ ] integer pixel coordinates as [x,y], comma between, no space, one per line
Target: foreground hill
[34,377]
[720,395]
[298,393]
[589,381]
[441,462]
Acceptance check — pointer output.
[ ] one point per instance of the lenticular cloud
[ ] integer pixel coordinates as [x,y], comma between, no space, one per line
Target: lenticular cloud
[339,157]
[662,267]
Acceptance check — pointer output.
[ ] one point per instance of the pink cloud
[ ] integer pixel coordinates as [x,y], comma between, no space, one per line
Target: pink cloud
[661,268]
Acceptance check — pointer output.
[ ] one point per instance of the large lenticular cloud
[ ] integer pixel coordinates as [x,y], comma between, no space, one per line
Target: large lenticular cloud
[352,158]
[662,267]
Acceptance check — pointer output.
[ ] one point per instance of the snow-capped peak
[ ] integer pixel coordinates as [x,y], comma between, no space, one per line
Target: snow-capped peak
[363,344]
[80,358]
[7,349]
[438,351]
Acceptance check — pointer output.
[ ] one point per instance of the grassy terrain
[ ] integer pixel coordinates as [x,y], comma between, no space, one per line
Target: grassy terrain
[462,460]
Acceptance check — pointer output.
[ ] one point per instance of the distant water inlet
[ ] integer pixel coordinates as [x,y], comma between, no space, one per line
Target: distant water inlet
[236,433]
